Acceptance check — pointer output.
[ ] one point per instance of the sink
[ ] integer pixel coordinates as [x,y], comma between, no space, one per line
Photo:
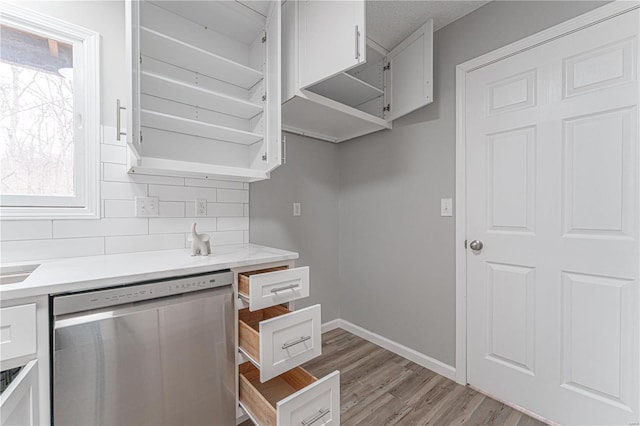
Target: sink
[15,274]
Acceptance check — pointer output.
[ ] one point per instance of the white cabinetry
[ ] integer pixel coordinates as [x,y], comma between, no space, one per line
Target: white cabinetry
[337,84]
[24,344]
[205,88]
[273,341]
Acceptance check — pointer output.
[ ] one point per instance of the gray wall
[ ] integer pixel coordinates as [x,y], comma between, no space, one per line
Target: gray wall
[397,268]
[310,177]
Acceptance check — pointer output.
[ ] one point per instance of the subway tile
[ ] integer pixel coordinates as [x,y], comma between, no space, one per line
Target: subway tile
[130,244]
[119,208]
[113,154]
[17,251]
[103,227]
[246,210]
[122,191]
[246,237]
[171,225]
[185,193]
[220,238]
[12,230]
[171,209]
[216,209]
[233,223]
[232,196]
[212,183]
[246,185]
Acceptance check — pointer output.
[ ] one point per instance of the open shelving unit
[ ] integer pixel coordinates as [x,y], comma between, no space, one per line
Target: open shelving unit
[204,72]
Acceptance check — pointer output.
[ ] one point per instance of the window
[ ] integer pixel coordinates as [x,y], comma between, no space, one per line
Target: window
[49,112]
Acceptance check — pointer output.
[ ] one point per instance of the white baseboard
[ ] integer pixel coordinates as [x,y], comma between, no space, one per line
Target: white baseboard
[404,351]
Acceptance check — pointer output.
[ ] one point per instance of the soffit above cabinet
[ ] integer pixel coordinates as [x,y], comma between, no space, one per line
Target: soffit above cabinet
[390,22]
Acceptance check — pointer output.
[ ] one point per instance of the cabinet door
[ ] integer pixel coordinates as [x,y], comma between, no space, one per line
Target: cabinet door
[273,56]
[132,24]
[410,76]
[19,401]
[331,38]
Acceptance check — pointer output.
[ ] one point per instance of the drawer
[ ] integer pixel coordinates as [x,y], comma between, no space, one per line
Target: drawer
[277,339]
[292,398]
[269,287]
[17,331]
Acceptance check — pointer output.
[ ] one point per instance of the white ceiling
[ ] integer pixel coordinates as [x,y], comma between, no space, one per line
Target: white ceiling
[391,21]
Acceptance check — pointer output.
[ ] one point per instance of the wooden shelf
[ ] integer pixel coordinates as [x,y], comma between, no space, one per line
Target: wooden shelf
[178,91]
[347,89]
[172,123]
[168,49]
[164,167]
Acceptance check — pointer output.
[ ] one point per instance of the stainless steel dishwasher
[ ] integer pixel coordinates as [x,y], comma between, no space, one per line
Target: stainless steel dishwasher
[154,353]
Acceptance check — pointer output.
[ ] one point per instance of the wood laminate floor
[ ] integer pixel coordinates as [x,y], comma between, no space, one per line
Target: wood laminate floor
[378,387]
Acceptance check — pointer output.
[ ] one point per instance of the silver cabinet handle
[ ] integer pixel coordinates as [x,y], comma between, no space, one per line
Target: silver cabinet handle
[476,245]
[119,131]
[357,43]
[289,287]
[316,417]
[296,342]
[284,149]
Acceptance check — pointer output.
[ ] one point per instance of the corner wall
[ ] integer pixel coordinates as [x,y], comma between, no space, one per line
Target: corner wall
[397,265]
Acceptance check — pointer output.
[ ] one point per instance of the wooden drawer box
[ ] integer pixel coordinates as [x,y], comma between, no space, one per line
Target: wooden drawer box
[269,287]
[292,398]
[17,331]
[277,339]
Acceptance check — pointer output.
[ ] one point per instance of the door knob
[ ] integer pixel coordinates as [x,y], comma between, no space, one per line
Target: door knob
[476,245]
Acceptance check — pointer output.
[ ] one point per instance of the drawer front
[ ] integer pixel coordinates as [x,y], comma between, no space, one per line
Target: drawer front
[318,404]
[273,288]
[289,340]
[17,331]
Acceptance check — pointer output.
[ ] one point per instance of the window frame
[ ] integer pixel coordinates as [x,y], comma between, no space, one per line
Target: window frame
[86,103]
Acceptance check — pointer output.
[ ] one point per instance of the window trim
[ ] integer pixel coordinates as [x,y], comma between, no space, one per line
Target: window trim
[86,51]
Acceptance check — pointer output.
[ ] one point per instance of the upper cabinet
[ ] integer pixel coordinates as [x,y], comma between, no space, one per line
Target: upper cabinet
[205,88]
[337,84]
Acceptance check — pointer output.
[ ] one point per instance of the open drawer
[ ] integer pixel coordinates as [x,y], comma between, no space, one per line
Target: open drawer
[269,287]
[293,398]
[277,339]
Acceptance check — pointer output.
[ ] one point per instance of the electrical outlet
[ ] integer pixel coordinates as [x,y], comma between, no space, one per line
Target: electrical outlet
[201,207]
[446,207]
[146,206]
[296,209]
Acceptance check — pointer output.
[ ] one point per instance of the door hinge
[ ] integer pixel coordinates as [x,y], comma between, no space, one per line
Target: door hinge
[465,244]
[141,137]
[387,108]
[264,97]
[140,59]
[264,38]
[387,67]
[264,157]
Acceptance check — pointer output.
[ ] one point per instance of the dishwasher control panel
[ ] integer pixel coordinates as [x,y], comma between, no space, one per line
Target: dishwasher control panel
[76,302]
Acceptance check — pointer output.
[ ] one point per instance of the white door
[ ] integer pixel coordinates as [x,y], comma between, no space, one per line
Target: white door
[410,76]
[331,38]
[132,27]
[273,57]
[552,194]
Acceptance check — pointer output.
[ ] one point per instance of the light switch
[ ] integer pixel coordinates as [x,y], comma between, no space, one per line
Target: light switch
[146,206]
[296,209]
[446,207]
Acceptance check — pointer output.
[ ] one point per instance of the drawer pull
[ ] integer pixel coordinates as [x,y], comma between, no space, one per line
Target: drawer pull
[289,287]
[296,342]
[315,418]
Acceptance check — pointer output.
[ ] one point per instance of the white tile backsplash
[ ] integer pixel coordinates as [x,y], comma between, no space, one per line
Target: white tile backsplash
[119,231]
[12,230]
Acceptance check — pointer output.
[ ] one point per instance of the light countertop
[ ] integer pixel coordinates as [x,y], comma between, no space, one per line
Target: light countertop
[91,272]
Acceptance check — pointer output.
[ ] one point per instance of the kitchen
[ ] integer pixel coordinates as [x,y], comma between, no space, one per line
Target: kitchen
[362,208]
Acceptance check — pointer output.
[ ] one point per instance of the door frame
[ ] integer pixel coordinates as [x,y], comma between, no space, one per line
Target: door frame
[587,19]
